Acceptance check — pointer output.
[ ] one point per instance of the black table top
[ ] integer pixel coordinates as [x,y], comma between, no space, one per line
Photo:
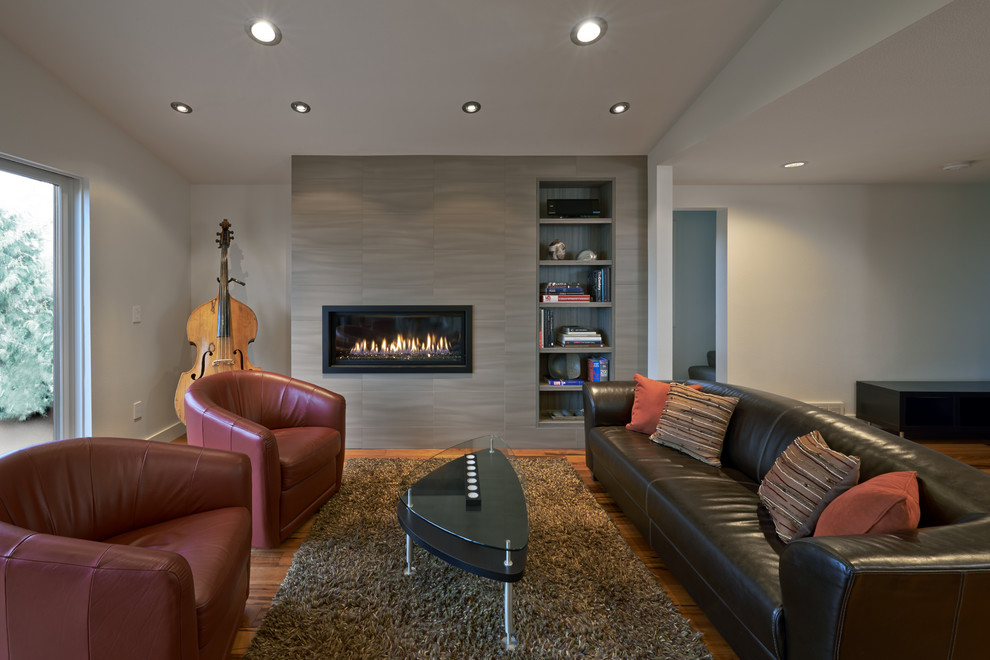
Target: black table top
[931,385]
[487,536]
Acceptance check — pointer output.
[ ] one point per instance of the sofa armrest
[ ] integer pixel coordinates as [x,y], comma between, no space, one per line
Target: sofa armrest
[608,403]
[63,594]
[217,428]
[913,594]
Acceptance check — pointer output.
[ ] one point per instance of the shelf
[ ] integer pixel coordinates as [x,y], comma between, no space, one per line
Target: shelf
[575,221]
[576,349]
[562,388]
[576,262]
[575,304]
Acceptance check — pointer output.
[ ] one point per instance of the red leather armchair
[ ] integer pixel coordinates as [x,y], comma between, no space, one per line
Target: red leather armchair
[119,548]
[292,431]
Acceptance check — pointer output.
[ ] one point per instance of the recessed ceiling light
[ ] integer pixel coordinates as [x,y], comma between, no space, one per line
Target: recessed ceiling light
[471,107]
[179,106]
[588,31]
[300,106]
[619,108]
[264,32]
[958,165]
[794,163]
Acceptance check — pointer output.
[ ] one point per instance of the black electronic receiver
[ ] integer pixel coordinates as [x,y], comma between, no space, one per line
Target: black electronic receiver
[574,208]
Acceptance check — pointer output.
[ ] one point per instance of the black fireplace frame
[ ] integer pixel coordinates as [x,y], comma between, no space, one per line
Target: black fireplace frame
[332,366]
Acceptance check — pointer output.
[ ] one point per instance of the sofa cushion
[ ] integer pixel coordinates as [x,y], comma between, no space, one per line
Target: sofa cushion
[803,480]
[213,543]
[305,450]
[694,423]
[883,504]
[705,521]
[707,525]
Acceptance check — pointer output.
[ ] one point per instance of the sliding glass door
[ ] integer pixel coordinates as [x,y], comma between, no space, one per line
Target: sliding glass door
[43,338]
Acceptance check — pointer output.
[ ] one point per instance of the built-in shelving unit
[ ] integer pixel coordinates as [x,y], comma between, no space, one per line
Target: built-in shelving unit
[586,229]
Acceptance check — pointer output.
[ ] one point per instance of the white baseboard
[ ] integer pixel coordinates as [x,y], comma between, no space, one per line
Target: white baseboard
[169,433]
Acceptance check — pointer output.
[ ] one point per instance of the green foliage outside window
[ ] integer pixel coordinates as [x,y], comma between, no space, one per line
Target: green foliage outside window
[26,323]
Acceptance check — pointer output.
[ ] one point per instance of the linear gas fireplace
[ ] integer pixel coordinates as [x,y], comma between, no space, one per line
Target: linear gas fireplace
[397,338]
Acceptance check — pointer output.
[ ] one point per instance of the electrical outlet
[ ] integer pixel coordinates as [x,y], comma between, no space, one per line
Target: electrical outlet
[136,314]
[138,409]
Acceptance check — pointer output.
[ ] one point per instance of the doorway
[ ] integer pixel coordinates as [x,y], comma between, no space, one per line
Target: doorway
[694,295]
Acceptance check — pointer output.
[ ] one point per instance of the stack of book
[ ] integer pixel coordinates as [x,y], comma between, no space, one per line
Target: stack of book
[561,287]
[576,336]
[563,292]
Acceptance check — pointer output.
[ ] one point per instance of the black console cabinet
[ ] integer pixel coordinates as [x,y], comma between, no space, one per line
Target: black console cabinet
[957,409]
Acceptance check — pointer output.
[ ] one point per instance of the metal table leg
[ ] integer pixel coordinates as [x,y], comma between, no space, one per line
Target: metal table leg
[510,641]
[409,567]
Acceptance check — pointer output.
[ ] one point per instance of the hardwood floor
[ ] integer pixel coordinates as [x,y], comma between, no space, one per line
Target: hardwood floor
[268,567]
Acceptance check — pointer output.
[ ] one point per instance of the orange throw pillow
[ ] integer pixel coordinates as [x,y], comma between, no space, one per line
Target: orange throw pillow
[886,503]
[648,402]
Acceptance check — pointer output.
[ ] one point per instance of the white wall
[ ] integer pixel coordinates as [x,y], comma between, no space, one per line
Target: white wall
[139,236]
[261,219]
[827,285]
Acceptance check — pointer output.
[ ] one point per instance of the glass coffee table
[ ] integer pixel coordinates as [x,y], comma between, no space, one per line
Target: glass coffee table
[466,506]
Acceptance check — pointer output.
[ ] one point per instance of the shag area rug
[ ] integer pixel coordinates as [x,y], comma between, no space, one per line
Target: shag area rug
[584,594]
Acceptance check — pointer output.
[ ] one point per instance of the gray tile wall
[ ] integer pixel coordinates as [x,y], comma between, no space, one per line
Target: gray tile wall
[449,230]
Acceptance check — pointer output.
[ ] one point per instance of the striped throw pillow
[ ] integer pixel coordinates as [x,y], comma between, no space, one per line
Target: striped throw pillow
[694,423]
[803,480]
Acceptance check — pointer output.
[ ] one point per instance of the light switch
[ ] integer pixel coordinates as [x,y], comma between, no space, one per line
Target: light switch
[136,314]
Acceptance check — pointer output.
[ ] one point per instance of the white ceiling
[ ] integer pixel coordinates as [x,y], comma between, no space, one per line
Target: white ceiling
[389,77]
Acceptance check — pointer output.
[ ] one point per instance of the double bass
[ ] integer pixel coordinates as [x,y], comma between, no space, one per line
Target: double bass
[220,329]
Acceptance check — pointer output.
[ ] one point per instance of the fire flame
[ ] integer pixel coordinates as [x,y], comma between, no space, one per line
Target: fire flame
[402,348]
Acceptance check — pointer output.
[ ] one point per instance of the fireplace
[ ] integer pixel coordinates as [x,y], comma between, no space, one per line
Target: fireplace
[397,339]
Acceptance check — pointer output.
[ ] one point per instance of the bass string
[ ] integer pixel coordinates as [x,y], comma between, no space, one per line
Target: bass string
[225,356]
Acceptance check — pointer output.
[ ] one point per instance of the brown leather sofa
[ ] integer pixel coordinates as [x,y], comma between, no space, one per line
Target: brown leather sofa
[292,431]
[119,548]
[914,594]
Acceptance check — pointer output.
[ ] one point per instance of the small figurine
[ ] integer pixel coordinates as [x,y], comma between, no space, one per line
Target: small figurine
[557,250]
